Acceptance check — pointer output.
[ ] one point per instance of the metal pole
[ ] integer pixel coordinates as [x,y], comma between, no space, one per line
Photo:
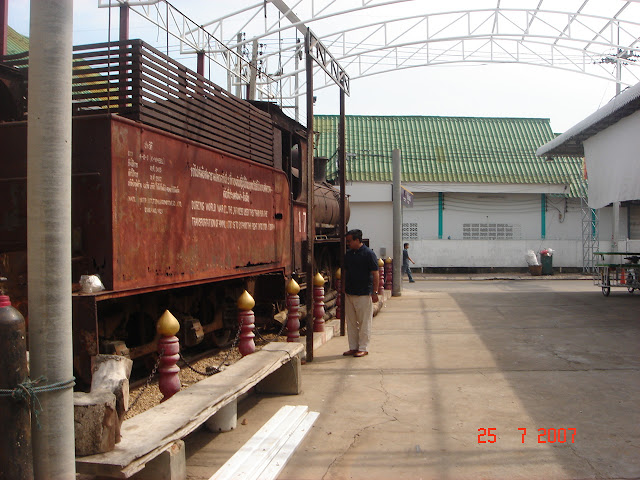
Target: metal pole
[297,81]
[4,25]
[200,62]
[310,220]
[49,232]
[615,230]
[342,173]
[396,289]
[253,72]
[124,22]
[239,60]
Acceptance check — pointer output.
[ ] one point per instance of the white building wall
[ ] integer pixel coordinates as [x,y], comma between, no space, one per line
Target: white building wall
[491,253]
[375,219]
[372,212]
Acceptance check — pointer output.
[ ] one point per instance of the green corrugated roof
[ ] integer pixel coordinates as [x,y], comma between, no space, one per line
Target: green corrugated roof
[448,149]
[16,43]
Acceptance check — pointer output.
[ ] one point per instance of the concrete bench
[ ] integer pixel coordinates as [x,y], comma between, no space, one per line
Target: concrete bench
[158,431]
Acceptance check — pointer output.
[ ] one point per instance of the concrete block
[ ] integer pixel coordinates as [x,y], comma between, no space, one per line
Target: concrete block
[95,422]
[225,419]
[169,465]
[287,380]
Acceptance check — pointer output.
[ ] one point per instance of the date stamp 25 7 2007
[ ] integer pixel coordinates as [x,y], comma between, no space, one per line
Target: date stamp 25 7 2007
[545,435]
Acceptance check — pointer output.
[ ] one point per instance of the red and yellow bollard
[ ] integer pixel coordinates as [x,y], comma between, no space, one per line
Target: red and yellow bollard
[169,351]
[293,315]
[246,345]
[388,274]
[318,303]
[381,274]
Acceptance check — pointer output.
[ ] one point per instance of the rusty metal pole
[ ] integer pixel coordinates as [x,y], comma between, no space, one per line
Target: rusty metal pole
[200,62]
[124,22]
[4,25]
[342,174]
[49,234]
[16,460]
[311,225]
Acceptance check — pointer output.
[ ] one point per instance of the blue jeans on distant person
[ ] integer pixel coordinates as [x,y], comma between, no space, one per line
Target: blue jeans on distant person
[408,270]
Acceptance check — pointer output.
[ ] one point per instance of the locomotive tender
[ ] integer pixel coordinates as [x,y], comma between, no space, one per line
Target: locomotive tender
[182,196]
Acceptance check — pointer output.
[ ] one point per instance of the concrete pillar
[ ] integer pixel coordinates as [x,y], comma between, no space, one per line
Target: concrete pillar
[49,233]
[396,289]
[615,227]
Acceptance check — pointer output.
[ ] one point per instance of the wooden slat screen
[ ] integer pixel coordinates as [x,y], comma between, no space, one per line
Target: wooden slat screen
[137,81]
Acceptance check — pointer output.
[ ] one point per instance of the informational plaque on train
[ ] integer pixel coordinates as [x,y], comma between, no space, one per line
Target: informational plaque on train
[184,212]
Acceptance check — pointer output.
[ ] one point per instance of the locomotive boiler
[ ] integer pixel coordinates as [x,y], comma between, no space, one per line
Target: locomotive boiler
[182,196]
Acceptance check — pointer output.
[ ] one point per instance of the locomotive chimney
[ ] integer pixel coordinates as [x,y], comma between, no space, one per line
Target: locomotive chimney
[320,169]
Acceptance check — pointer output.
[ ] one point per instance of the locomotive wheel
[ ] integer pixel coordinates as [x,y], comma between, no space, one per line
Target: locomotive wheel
[325,266]
[221,338]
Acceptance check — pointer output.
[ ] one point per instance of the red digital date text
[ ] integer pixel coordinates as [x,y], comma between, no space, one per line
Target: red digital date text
[545,435]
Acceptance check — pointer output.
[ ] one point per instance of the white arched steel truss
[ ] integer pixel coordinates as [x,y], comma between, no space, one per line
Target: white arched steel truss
[599,38]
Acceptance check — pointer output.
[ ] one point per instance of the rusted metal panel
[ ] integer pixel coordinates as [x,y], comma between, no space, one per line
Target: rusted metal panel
[143,201]
[183,212]
[13,186]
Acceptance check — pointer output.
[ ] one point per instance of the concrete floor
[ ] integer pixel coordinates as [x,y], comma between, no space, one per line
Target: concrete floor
[451,357]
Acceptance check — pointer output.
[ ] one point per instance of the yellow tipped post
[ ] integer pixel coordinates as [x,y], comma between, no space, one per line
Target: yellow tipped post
[168,325]
[246,301]
[292,287]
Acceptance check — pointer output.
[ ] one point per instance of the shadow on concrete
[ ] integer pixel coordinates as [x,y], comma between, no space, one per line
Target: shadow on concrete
[572,359]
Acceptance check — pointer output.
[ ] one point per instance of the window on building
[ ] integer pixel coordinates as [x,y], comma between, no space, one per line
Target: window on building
[491,231]
[410,231]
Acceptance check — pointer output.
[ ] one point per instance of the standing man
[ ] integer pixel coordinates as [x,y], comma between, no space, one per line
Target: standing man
[361,290]
[405,262]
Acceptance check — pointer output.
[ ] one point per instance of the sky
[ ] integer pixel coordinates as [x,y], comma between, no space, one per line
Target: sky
[487,90]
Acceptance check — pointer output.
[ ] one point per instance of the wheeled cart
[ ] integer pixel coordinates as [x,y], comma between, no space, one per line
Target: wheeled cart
[617,269]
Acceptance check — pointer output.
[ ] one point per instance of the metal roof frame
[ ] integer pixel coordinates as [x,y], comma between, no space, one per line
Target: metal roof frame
[583,40]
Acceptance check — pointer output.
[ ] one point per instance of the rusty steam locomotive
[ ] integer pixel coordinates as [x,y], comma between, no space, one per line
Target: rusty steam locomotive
[183,195]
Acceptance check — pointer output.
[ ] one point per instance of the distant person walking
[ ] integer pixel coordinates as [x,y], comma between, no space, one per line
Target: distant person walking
[405,262]
[361,291]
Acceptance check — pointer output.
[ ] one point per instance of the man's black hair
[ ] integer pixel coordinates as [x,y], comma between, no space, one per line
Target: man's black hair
[406,245]
[355,234]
